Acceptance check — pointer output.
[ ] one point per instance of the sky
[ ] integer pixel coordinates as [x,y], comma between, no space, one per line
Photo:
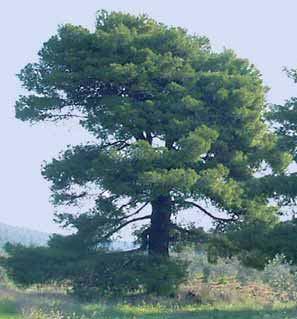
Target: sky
[262,31]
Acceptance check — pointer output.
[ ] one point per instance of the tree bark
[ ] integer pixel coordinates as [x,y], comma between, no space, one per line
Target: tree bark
[158,243]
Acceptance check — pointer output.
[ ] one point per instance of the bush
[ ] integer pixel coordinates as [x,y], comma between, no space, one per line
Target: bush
[95,273]
[34,265]
[125,274]
[199,266]
[255,243]
[281,275]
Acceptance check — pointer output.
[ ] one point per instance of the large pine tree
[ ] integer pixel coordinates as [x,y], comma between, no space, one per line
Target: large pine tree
[175,124]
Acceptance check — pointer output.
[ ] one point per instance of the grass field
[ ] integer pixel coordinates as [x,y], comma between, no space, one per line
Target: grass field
[8,310]
[207,312]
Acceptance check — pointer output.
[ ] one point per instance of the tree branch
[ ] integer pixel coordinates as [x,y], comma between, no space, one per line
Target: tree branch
[125,224]
[127,204]
[137,211]
[64,116]
[118,144]
[220,219]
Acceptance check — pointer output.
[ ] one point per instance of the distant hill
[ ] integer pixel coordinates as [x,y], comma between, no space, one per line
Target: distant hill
[19,235]
[27,237]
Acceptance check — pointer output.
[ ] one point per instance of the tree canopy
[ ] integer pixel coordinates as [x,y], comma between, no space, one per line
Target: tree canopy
[174,124]
[283,121]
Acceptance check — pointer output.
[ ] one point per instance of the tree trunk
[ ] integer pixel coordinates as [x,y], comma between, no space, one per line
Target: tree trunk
[158,244]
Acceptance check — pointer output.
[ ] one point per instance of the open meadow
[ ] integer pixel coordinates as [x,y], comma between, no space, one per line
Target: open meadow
[38,306]
[10,310]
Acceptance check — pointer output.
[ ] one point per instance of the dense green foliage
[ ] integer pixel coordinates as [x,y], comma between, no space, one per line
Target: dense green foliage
[125,274]
[93,275]
[35,265]
[283,119]
[256,243]
[173,123]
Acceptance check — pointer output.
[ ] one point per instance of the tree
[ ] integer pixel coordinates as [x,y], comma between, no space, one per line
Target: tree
[284,120]
[255,243]
[174,124]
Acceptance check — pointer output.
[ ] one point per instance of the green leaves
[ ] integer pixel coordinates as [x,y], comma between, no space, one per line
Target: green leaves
[197,143]
[216,185]
[173,180]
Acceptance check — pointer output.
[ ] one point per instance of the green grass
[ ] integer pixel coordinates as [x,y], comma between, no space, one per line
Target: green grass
[126,311]
[192,312]
[8,309]
[150,312]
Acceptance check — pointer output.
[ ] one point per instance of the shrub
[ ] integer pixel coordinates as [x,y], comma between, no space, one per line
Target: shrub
[223,268]
[281,275]
[95,273]
[125,274]
[255,243]
[34,265]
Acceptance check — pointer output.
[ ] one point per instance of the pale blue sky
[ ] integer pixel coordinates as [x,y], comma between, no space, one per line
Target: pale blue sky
[262,31]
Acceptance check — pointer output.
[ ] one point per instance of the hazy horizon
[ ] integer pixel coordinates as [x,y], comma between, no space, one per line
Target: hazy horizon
[262,32]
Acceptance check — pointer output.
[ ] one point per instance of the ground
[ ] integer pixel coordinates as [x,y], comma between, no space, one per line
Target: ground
[26,305]
[213,291]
